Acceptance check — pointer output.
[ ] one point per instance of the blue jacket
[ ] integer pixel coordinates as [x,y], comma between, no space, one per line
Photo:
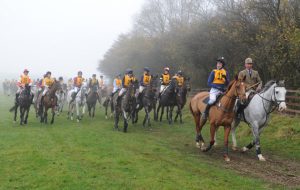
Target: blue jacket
[217,86]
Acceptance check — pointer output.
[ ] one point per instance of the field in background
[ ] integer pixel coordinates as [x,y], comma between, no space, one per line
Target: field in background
[90,155]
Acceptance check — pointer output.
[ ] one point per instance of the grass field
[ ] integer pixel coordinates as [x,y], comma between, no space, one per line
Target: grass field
[90,155]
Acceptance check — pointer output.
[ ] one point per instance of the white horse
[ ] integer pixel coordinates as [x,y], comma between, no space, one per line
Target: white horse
[61,98]
[78,104]
[257,113]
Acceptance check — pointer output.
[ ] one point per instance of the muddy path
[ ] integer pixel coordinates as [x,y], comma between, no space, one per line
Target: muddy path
[276,170]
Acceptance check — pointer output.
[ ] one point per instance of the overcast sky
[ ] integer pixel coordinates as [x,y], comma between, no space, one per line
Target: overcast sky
[62,36]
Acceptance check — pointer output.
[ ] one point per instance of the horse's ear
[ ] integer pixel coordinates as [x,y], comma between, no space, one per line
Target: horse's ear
[236,77]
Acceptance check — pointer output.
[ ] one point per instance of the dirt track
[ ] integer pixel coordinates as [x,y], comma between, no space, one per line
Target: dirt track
[275,170]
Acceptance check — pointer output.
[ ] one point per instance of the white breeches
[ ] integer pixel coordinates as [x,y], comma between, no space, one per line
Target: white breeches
[213,93]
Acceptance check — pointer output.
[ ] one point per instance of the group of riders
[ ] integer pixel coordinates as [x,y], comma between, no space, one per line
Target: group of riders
[218,81]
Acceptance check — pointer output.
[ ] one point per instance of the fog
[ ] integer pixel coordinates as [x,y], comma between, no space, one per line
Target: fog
[59,35]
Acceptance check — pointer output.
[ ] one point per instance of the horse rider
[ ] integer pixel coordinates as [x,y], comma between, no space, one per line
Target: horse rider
[101,82]
[165,79]
[46,84]
[145,81]
[252,80]
[24,80]
[217,80]
[126,81]
[77,82]
[93,83]
[117,85]
[179,78]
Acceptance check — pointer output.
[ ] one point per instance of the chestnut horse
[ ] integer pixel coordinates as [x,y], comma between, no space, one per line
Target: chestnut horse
[220,114]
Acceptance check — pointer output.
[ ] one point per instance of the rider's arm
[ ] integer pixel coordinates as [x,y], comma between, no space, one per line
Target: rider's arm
[211,79]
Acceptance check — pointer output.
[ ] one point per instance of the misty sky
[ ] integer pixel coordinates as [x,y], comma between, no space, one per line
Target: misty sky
[62,36]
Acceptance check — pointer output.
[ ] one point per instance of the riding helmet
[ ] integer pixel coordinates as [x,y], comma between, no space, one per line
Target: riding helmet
[129,71]
[167,69]
[221,60]
[79,72]
[179,72]
[48,72]
[25,71]
[147,69]
[60,78]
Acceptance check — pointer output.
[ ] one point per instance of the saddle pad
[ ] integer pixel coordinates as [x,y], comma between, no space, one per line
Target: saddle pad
[205,101]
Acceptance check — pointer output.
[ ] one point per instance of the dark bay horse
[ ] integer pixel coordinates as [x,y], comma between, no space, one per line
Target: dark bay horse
[91,101]
[169,99]
[220,114]
[148,101]
[49,101]
[124,106]
[182,98]
[24,102]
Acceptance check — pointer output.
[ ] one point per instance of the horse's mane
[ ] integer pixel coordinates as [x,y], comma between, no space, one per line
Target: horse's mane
[230,85]
[268,85]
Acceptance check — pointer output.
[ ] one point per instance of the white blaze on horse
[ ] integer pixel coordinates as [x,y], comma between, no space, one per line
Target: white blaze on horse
[257,113]
[78,103]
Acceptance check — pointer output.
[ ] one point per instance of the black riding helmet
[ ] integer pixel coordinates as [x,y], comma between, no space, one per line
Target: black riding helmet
[221,60]
[48,72]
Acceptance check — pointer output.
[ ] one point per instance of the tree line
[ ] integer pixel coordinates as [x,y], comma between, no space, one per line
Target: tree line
[190,34]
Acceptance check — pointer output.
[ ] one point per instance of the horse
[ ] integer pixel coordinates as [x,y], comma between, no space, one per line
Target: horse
[102,93]
[24,102]
[61,98]
[181,100]
[49,101]
[78,103]
[125,106]
[257,113]
[92,101]
[108,102]
[148,101]
[169,99]
[220,114]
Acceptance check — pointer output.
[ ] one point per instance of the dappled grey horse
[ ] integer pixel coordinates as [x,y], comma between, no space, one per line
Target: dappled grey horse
[78,103]
[257,113]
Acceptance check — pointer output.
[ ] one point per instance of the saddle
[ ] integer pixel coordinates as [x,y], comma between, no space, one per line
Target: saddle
[205,101]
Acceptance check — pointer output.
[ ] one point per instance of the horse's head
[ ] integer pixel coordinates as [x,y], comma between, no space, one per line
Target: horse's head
[240,89]
[187,83]
[279,95]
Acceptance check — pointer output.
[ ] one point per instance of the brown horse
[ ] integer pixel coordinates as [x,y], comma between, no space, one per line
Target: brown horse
[220,114]
[49,101]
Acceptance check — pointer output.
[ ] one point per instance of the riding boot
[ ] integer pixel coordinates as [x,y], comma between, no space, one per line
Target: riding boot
[206,112]
[41,103]
[118,100]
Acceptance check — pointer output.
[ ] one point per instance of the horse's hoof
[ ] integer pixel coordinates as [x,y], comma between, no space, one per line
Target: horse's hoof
[245,149]
[72,118]
[77,120]
[234,148]
[106,117]
[261,158]
[215,144]
[198,145]
[226,158]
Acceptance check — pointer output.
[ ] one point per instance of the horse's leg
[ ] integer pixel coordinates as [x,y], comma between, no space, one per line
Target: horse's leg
[26,117]
[16,113]
[83,111]
[89,110]
[46,115]
[125,121]
[106,108]
[177,114]
[94,107]
[168,110]
[116,114]
[21,115]
[154,111]
[53,114]
[77,112]
[162,112]
[171,115]
[148,119]
[146,115]
[199,139]
[234,125]
[180,115]
[212,137]
[226,135]
[256,134]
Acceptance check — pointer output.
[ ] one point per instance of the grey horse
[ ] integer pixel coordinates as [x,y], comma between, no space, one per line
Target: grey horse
[257,113]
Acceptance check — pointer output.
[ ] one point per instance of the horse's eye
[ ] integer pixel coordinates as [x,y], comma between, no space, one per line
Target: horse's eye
[277,92]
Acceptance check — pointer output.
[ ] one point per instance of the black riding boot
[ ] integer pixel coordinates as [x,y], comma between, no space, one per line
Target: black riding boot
[206,112]
[239,110]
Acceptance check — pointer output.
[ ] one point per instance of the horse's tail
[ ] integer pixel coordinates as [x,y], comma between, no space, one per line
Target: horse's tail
[13,108]
[191,109]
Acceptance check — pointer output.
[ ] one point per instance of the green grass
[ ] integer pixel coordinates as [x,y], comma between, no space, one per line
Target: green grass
[90,155]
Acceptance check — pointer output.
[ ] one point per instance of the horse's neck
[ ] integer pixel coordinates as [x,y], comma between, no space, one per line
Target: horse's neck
[267,98]
[228,100]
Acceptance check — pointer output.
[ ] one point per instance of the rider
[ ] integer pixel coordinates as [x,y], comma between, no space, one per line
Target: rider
[77,82]
[117,84]
[126,81]
[101,82]
[179,78]
[252,79]
[46,84]
[145,81]
[24,80]
[93,83]
[165,79]
[217,80]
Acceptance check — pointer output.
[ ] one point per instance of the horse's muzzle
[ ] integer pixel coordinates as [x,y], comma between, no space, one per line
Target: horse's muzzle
[282,106]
